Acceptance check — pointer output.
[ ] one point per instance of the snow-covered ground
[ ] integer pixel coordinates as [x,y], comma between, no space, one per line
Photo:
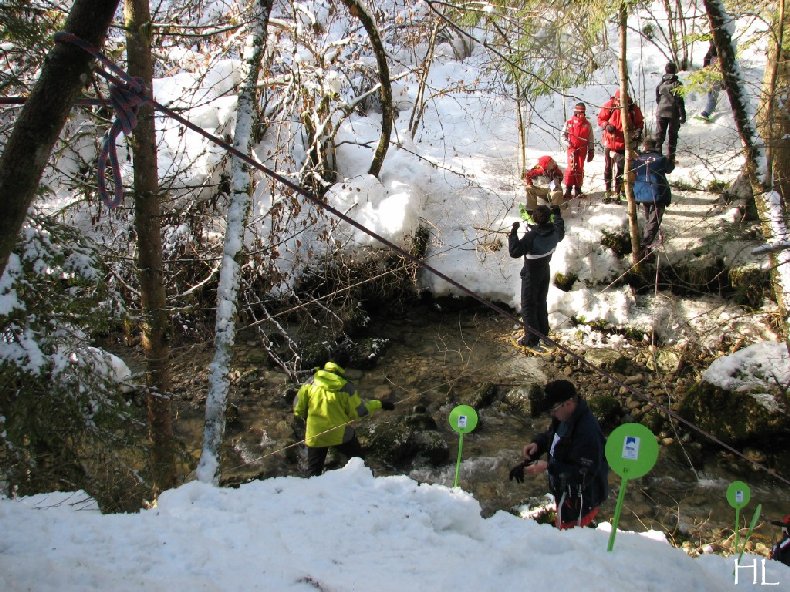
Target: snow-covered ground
[343,531]
[347,530]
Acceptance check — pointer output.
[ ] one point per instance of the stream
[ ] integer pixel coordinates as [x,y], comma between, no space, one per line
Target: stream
[437,359]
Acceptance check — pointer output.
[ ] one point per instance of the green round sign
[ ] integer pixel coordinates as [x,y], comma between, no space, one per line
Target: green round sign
[631,450]
[738,494]
[463,419]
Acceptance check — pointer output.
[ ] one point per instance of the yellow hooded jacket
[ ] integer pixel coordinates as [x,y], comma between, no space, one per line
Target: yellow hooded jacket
[328,404]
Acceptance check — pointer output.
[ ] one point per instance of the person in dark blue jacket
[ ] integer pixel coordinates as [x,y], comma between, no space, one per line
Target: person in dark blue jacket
[536,246]
[576,466]
[651,189]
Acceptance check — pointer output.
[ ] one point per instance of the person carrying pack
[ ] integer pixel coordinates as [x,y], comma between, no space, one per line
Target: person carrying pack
[328,404]
[651,189]
[670,110]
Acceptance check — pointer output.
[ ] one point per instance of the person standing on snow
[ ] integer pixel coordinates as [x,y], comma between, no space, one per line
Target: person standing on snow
[670,110]
[544,180]
[329,404]
[613,140]
[536,246]
[576,467]
[649,171]
[711,61]
[578,136]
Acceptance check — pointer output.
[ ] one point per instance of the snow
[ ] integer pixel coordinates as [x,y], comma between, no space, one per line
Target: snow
[348,530]
[345,530]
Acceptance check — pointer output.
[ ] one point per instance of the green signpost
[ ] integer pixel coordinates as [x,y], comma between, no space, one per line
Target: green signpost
[738,496]
[631,451]
[463,419]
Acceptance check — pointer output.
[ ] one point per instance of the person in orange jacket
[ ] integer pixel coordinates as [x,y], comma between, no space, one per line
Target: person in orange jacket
[578,136]
[610,120]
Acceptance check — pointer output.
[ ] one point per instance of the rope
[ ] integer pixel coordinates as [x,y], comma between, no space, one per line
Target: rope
[126,95]
[123,80]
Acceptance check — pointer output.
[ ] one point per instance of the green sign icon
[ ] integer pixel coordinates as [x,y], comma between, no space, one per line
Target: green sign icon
[463,419]
[738,494]
[631,451]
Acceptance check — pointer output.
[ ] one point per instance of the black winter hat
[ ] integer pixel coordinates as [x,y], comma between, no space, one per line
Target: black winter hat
[671,68]
[558,391]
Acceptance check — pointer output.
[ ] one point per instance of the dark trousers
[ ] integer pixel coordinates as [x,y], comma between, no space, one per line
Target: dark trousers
[316,456]
[664,125]
[535,279]
[613,162]
[653,215]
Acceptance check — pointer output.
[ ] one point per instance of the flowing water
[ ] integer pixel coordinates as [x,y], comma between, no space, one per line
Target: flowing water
[438,359]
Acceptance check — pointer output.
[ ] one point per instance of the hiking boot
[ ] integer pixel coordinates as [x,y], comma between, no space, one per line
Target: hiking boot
[607,196]
[527,341]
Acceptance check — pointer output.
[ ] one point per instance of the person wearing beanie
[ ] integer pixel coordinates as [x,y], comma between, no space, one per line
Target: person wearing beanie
[670,109]
[328,404]
[576,465]
[536,247]
[651,189]
[579,138]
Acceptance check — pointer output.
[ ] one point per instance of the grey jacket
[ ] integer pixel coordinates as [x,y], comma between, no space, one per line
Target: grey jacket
[670,103]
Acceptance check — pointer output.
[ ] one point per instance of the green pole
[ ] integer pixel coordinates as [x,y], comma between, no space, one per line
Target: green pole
[737,530]
[458,460]
[617,508]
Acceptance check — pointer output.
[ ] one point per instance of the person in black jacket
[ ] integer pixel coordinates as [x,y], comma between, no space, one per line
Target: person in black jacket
[670,109]
[536,246]
[781,550]
[576,466]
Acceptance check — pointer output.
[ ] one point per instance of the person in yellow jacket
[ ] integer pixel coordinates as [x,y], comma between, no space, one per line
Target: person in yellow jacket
[328,404]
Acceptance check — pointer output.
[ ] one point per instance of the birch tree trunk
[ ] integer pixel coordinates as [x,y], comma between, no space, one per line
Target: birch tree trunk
[769,204]
[208,469]
[41,120]
[147,215]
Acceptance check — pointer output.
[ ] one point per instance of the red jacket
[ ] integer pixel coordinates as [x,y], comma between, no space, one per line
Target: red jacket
[579,135]
[546,167]
[610,115]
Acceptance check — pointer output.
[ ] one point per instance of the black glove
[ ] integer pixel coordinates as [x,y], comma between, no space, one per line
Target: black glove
[517,472]
[590,156]
[610,128]
[387,405]
[682,120]
[556,211]
[516,226]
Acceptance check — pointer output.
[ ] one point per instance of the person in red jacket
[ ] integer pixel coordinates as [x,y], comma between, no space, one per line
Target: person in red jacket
[578,136]
[544,180]
[610,120]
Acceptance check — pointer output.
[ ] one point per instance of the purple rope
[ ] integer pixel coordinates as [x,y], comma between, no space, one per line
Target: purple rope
[126,95]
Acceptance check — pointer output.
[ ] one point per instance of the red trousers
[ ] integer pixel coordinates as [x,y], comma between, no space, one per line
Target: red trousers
[574,174]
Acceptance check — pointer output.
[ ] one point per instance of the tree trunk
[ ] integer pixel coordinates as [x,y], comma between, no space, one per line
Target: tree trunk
[625,101]
[768,202]
[356,9]
[419,102]
[65,72]
[147,215]
[208,469]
